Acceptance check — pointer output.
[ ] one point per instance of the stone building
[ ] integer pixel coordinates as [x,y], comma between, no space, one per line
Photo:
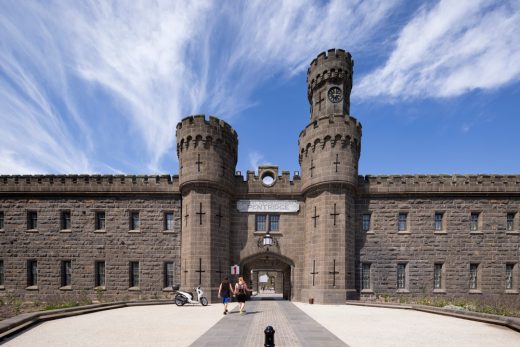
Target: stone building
[335,235]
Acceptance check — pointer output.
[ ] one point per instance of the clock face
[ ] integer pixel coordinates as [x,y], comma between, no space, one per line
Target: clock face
[335,94]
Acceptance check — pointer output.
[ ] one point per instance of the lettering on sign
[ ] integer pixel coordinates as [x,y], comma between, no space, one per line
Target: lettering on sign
[268,206]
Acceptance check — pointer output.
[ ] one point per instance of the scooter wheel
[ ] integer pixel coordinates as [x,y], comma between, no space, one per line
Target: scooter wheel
[179,301]
[204,301]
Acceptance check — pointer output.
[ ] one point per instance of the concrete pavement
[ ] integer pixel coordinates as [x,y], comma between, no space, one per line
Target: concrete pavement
[295,323]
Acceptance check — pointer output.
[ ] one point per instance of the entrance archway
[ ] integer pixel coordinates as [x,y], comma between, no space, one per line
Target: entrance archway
[274,264]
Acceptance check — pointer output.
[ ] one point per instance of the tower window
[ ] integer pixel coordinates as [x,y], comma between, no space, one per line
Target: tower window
[1,272]
[32,273]
[274,222]
[1,220]
[133,280]
[32,220]
[100,220]
[168,221]
[65,220]
[260,222]
[473,276]
[365,276]
[510,222]
[66,273]
[134,220]
[168,274]
[99,269]
[509,275]
[401,276]
[403,221]
[437,276]
[474,221]
[365,219]
[439,226]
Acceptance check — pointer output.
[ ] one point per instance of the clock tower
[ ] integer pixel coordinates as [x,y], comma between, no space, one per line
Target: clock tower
[329,79]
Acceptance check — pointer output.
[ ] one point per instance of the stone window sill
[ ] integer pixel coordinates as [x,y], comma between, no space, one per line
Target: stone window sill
[2,287]
[168,289]
[511,291]
[137,231]
[100,231]
[32,288]
[134,289]
[403,291]
[440,232]
[367,291]
[32,230]
[404,232]
[100,288]
[475,291]
[261,233]
[439,291]
[65,288]
[476,233]
[65,231]
[511,232]
[369,232]
[169,232]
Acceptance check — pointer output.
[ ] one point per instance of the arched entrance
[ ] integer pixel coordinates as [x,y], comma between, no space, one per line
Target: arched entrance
[275,266]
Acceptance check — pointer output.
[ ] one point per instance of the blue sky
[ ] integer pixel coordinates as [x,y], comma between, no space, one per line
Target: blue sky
[98,86]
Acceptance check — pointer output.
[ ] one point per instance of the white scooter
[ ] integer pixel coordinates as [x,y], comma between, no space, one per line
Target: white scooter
[182,298]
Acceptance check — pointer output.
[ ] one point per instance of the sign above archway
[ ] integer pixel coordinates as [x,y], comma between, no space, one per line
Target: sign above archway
[286,206]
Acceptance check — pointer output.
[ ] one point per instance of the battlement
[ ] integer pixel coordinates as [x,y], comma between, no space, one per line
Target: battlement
[88,183]
[282,184]
[325,122]
[439,184]
[336,64]
[200,120]
[331,54]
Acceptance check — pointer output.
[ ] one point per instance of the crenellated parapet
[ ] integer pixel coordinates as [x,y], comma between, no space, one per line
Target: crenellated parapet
[329,151]
[331,69]
[275,184]
[207,150]
[36,184]
[439,184]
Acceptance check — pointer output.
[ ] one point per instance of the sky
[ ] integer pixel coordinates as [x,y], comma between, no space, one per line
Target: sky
[97,87]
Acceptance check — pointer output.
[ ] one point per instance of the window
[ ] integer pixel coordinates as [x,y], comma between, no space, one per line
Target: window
[401,276]
[274,222]
[365,219]
[437,276]
[32,273]
[100,220]
[134,220]
[65,220]
[168,221]
[509,275]
[403,220]
[32,220]
[99,269]
[66,273]
[473,226]
[168,274]
[1,220]
[438,221]
[133,274]
[510,224]
[365,276]
[473,276]
[260,220]
[1,272]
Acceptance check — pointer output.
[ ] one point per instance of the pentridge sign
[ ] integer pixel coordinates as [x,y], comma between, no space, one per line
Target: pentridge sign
[268,206]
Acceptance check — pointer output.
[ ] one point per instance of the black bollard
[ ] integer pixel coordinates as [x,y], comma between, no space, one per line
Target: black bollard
[269,336]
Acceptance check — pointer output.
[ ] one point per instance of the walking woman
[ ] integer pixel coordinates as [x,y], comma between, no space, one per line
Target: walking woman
[225,290]
[240,291]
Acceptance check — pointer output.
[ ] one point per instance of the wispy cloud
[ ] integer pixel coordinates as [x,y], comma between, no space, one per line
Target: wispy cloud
[80,82]
[449,49]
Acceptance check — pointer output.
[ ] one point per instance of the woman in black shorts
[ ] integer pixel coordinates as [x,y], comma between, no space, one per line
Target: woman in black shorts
[240,291]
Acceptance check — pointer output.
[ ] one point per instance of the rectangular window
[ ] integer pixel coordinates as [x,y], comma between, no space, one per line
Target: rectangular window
[474,221]
[509,275]
[32,220]
[134,221]
[365,276]
[1,220]
[365,219]
[403,219]
[32,273]
[99,268]
[274,222]
[437,276]
[100,220]
[510,221]
[168,221]
[473,276]
[438,221]
[1,272]
[401,276]
[260,220]
[65,220]
[168,274]
[133,274]
[66,273]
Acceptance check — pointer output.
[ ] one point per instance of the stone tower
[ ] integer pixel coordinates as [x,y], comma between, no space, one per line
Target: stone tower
[329,150]
[207,152]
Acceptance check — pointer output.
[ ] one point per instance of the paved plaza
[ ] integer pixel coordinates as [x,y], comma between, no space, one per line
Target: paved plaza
[296,324]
